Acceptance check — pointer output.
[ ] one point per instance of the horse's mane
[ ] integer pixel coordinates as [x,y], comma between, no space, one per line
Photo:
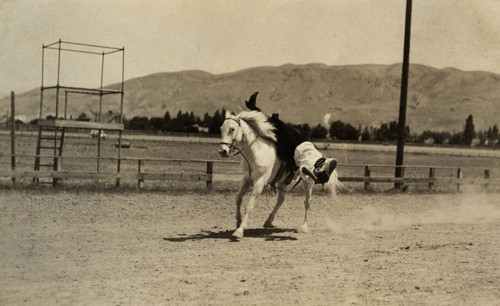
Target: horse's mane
[259,123]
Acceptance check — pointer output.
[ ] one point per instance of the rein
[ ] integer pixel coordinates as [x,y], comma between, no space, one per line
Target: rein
[233,147]
[273,184]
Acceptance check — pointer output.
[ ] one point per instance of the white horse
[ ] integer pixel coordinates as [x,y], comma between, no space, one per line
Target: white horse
[251,135]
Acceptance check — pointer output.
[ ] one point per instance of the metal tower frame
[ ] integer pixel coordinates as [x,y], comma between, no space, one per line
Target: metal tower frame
[60,124]
[65,46]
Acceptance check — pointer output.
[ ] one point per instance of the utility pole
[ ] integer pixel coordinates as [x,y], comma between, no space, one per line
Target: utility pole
[404,95]
[13,133]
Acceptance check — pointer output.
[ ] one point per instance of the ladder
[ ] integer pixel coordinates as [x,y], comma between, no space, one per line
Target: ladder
[49,147]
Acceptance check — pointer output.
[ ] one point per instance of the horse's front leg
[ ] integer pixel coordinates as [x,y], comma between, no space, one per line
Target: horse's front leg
[245,185]
[281,198]
[258,186]
[308,187]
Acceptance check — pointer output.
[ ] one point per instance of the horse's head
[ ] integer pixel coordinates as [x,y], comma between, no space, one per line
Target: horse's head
[231,134]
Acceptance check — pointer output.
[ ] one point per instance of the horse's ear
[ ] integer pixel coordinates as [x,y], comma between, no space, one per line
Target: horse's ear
[227,115]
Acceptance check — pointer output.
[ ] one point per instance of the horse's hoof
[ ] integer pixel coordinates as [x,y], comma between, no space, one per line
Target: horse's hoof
[269,225]
[238,234]
[302,230]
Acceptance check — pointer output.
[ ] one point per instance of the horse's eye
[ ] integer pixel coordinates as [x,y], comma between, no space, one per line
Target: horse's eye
[231,130]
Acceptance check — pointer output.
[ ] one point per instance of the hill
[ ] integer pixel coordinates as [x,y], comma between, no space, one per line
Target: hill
[438,99]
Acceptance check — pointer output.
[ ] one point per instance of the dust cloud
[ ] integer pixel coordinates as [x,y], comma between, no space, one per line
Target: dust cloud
[466,208]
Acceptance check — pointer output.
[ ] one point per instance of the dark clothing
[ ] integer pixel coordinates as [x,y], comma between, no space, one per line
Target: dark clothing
[288,138]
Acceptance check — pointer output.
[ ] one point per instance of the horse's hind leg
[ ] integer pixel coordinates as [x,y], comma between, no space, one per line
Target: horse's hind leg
[308,186]
[281,198]
[244,187]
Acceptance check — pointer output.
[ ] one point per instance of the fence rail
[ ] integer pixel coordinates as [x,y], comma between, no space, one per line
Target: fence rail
[208,175]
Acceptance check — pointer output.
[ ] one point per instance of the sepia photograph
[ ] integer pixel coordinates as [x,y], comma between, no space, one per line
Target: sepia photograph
[223,152]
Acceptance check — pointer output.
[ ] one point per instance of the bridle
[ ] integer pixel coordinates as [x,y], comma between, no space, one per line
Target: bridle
[233,147]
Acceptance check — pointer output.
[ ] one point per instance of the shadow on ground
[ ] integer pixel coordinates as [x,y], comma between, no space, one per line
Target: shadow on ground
[268,234]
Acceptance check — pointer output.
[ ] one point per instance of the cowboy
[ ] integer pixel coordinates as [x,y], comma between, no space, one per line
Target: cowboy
[298,153]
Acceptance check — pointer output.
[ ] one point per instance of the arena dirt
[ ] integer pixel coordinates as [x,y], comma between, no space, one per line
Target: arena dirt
[120,248]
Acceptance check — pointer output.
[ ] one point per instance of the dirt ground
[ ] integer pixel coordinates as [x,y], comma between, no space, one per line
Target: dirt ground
[144,248]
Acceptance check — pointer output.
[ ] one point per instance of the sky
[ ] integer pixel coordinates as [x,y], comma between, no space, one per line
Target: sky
[220,36]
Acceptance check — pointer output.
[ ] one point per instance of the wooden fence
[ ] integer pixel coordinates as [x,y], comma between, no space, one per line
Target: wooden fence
[205,173]
[431,180]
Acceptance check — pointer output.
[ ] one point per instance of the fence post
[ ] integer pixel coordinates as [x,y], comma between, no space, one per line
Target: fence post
[118,166]
[486,177]
[210,171]
[117,184]
[459,176]
[13,133]
[432,174]
[367,177]
[98,150]
[139,180]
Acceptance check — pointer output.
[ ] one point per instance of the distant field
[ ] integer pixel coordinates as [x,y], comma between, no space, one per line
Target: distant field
[154,147]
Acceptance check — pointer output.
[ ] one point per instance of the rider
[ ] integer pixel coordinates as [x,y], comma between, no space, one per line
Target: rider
[296,151]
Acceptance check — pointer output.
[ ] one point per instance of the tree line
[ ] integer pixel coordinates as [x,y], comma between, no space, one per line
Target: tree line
[469,136]
[190,123]
[187,122]
[182,122]
[337,130]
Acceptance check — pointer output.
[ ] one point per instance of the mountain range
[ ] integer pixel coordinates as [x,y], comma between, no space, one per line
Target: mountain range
[367,95]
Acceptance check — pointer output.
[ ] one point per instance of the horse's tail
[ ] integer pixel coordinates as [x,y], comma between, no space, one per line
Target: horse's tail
[333,184]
